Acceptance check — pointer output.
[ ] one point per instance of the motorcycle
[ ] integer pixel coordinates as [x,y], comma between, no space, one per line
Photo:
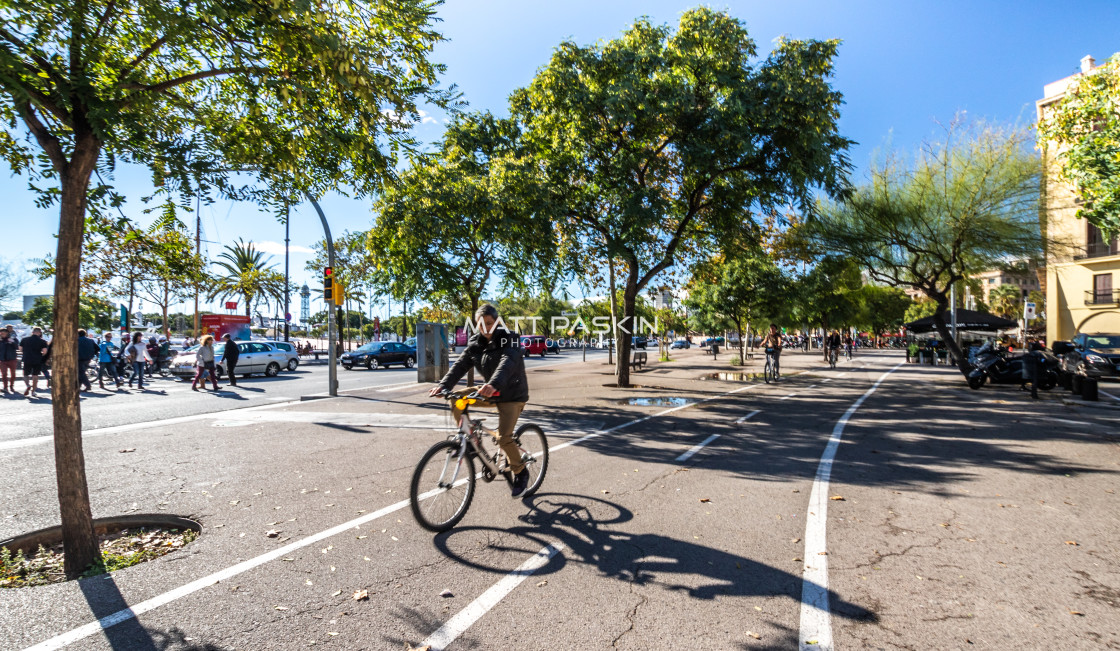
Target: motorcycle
[995,366]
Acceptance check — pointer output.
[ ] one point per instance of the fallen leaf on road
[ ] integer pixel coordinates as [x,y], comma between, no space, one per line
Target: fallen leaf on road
[705,499]
[361,595]
[1074,612]
[272,533]
[409,647]
[754,635]
[796,540]
[331,634]
[360,537]
[1072,542]
[308,582]
[366,557]
[758,609]
[797,560]
[605,492]
[822,553]
[280,607]
[446,594]
[336,593]
[128,450]
[837,498]
[234,502]
[240,535]
[542,583]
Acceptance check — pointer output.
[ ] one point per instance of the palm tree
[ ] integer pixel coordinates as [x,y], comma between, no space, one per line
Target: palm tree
[247,275]
[1004,300]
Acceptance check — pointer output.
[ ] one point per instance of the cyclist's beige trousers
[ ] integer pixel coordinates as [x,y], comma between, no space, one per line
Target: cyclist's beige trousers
[508,413]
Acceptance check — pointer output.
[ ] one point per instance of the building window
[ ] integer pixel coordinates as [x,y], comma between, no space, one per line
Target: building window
[1102,288]
[1095,244]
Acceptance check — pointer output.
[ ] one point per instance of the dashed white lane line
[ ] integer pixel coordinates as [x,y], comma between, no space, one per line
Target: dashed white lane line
[1114,397]
[696,448]
[827,379]
[1067,421]
[463,620]
[816,623]
[843,374]
[748,416]
[787,397]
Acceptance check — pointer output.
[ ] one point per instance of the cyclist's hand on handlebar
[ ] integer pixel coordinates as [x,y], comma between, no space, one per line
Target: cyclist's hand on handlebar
[436,391]
[487,391]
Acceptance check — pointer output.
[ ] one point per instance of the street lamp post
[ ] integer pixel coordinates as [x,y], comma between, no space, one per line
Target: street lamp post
[332,373]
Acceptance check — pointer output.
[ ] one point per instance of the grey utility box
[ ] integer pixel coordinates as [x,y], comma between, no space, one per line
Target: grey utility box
[431,351]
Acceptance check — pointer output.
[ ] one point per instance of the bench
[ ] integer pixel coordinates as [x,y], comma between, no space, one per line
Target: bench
[638,360]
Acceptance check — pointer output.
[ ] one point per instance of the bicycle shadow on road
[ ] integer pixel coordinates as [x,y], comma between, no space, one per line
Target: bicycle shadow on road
[590,529]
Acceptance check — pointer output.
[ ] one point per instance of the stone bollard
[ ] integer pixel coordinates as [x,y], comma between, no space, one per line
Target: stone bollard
[1089,389]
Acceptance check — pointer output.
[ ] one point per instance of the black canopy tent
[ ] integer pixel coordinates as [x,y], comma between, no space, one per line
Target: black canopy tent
[966,320]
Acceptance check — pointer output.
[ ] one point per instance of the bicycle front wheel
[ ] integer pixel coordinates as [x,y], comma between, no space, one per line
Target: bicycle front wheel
[767,372]
[534,453]
[442,487]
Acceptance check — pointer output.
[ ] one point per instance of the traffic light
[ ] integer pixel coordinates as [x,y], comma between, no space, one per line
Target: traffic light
[339,293]
[328,285]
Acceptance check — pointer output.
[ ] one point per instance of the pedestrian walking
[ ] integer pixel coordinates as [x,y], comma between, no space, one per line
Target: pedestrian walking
[12,333]
[205,363]
[106,364]
[153,355]
[87,350]
[34,351]
[9,359]
[229,356]
[138,357]
[47,361]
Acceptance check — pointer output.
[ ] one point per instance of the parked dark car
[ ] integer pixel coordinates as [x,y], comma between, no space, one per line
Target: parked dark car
[680,343]
[639,342]
[1095,356]
[379,353]
[552,346]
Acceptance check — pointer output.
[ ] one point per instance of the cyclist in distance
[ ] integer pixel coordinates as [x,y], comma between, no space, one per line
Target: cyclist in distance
[848,343]
[495,353]
[832,342]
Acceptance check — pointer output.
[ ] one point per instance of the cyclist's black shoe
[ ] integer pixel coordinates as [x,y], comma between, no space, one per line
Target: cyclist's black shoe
[520,482]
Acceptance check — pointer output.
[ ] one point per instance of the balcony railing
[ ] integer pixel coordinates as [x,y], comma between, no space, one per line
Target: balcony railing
[1108,297]
[1100,249]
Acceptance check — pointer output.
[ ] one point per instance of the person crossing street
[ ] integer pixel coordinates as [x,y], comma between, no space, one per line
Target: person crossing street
[9,359]
[107,365]
[229,356]
[87,350]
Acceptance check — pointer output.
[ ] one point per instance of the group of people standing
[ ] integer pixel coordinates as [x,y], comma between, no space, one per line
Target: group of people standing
[36,356]
[142,358]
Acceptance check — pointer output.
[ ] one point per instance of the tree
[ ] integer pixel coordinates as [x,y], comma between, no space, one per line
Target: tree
[1084,127]
[462,217]
[738,289]
[173,272]
[967,204]
[14,315]
[827,295]
[920,309]
[94,313]
[1005,300]
[882,308]
[308,94]
[660,142]
[247,275]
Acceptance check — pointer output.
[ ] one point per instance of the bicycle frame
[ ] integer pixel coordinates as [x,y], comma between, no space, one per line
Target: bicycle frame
[468,436]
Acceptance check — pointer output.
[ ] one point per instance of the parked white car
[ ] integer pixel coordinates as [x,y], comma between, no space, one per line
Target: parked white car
[255,357]
[287,350]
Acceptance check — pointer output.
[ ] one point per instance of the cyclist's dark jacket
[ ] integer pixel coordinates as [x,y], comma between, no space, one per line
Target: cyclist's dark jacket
[500,363]
[833,341]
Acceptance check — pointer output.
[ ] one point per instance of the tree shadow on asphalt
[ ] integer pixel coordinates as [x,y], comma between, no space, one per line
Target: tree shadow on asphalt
[590,530]
[923,435]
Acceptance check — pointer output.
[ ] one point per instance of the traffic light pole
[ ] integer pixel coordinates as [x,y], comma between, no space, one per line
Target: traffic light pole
[332,373]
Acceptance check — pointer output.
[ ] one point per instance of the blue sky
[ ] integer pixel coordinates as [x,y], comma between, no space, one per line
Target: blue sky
[902,66]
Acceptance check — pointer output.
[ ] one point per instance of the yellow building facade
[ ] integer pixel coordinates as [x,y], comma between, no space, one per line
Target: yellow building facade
[1082,269]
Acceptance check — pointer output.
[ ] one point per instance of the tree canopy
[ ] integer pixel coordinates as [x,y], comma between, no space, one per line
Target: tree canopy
[1084,127]
[657,143]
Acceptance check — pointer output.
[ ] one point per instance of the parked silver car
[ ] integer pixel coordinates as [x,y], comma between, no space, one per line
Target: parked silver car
[287,351]
[255,357]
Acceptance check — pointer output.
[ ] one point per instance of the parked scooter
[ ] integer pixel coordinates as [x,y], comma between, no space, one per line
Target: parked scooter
[995,366]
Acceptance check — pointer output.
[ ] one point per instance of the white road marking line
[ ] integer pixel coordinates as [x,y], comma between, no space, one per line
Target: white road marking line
[462,620]
[827,379]
[811,386]
[748,416]
[1067,421]
[787,397]
[843,374]
[696,448]
[816,623]
[22,443]
[1114,397]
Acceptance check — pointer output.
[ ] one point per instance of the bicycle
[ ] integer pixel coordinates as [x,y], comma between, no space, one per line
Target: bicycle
[770,371]
[848,353]
[832,355]
[448,468]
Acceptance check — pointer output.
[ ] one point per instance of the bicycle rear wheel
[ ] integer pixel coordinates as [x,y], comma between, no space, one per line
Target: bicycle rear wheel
[534,452]
[442,487]
[767,372]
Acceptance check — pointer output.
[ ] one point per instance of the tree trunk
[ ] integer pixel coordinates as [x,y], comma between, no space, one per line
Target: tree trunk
[78,538]
[474,310]
[742,352]
[947,336]
[614,313]
[629,301]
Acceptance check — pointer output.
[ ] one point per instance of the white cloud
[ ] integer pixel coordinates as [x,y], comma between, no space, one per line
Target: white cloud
[277,248]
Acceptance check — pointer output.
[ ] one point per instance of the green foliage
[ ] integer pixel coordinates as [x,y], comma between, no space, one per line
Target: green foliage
[248,275]
[11,281]
[882,308]
[1084,127]
[461,217]
[1005,301]
[94,313]
[15,315]
[919,309]
[654,142]
[965,205]
[829,294]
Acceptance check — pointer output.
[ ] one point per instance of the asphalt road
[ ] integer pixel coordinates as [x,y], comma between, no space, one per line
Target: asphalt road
[168,398]
[696,519]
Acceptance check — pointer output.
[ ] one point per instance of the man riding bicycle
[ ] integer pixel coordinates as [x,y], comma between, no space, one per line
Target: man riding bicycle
[495,353]
[772,342]
[832,343]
